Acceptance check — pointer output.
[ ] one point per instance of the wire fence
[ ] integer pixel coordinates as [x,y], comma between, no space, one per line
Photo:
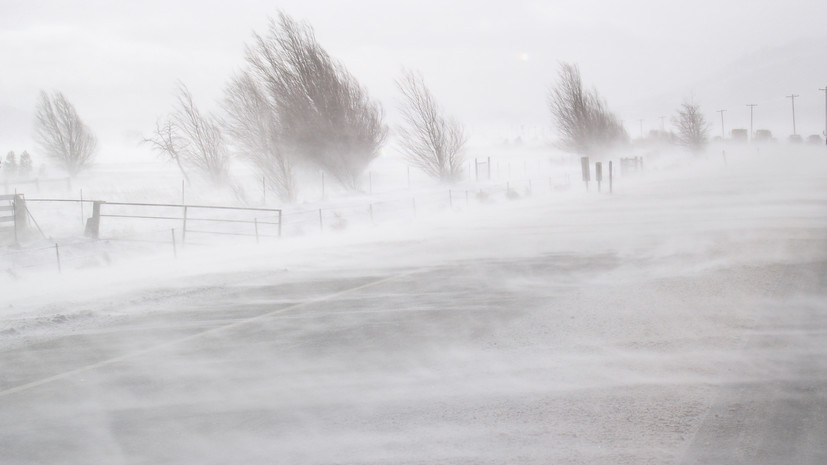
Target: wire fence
[232,221]
[11,186]
[172,225]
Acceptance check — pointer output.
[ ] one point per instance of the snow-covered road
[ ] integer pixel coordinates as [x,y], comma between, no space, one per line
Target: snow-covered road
[681,320]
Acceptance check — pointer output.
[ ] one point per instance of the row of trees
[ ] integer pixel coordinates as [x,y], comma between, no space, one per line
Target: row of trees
[12,167]
[293,107]
[588,127]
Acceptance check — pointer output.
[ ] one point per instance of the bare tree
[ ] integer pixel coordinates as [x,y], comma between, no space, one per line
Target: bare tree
[430,141]
[193,140]
[62,135]
[582,116]
[203,146]
[325,118]
[253,126]
[693,129]
[166,141]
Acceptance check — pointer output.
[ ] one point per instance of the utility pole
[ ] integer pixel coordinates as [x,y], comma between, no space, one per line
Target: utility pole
[722,124]
[751,106]
[723,139]
[793,96]
[825,109]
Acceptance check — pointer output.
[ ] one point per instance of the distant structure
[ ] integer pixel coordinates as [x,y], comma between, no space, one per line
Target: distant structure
[763,135]
[740,135]
[815,139]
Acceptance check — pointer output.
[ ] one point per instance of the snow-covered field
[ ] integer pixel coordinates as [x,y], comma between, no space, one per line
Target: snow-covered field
[681,319]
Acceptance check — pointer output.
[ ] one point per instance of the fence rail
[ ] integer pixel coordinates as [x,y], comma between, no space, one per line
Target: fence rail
[93,222]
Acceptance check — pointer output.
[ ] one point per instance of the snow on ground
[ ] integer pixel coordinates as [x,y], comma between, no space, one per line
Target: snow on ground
[562,327]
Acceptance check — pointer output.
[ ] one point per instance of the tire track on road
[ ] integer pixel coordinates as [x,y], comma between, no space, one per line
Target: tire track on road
[211,331]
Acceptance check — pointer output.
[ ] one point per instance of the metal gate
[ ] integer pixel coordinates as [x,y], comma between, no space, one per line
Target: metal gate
[12,217]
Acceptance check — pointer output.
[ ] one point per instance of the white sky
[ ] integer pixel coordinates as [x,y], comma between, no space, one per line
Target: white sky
[489,63]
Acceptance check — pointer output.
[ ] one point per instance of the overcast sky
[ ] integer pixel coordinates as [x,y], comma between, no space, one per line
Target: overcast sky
[489,63]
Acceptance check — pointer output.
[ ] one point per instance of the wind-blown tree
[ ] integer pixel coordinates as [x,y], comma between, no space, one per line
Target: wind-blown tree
[325,118]
[693,129]
[253,125]
[193,140]
[430,141]
[582,116]
[62,135]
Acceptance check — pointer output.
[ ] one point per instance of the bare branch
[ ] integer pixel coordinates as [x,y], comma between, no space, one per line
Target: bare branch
[192,140]
[430,141]
[166,141]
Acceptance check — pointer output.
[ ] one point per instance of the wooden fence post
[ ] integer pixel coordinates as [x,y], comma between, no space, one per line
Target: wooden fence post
[280,223]
[184,231]
[174,248]
[584,168]
[93,223]
[20,218]
[610,176]
[57,254]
